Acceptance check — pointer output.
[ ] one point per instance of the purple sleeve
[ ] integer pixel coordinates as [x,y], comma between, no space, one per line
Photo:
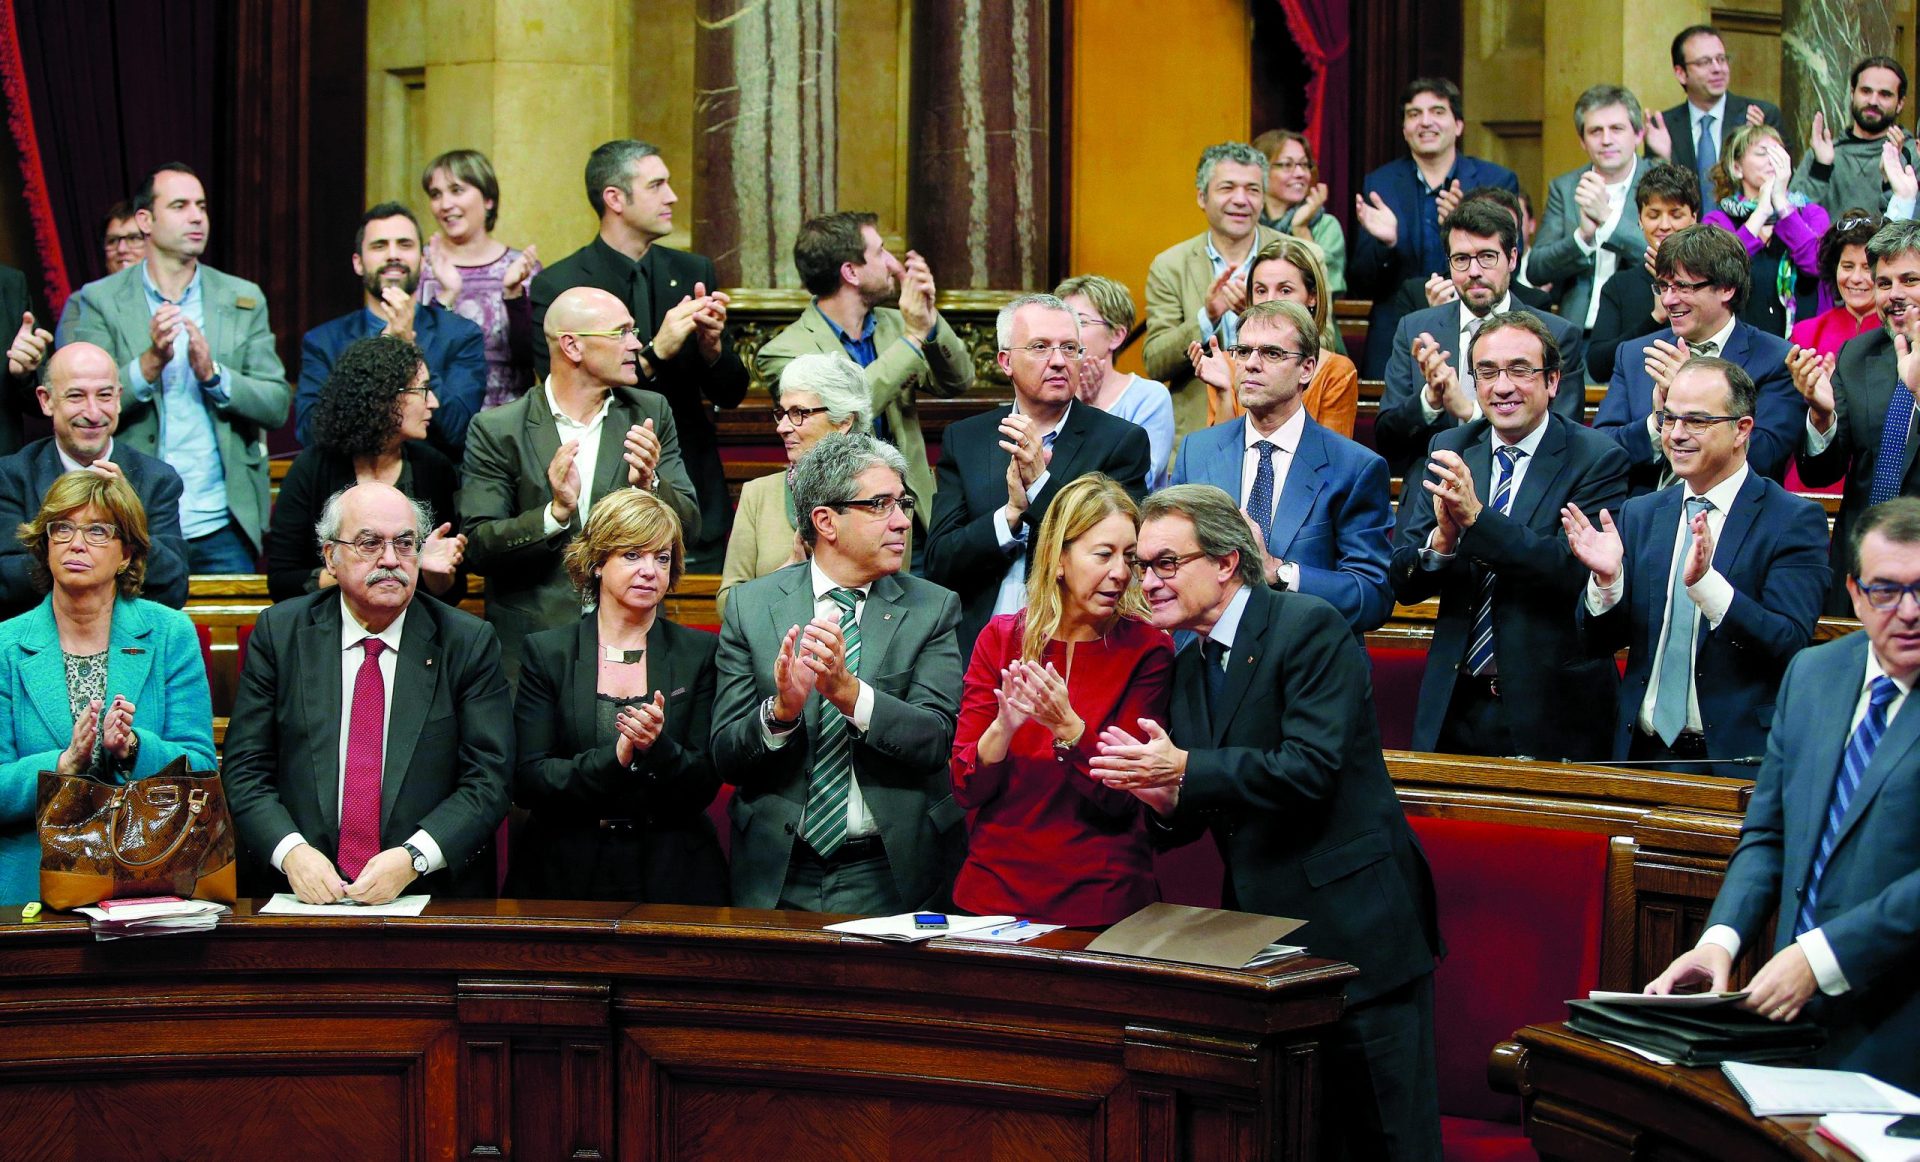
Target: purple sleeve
[1719,218]
[1801,230]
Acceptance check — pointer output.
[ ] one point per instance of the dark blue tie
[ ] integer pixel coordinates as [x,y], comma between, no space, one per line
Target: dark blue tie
[1891,462]
[1260,496]
[1853,764]
[1480,653]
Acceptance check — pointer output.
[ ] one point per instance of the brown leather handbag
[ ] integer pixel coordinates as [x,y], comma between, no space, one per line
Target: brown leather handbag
[166,835]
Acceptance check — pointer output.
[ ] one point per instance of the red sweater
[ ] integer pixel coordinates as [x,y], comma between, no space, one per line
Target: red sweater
[1049,842]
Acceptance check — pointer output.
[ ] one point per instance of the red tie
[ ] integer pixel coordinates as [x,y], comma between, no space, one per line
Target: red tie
[360,802]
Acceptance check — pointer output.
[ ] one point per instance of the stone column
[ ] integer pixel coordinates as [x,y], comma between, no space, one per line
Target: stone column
[1820,41]
[764,132]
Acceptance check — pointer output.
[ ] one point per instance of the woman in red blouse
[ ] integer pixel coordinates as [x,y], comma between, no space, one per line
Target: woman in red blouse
[1048,842]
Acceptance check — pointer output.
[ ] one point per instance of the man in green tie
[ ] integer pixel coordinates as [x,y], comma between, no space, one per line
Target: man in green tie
[839,688]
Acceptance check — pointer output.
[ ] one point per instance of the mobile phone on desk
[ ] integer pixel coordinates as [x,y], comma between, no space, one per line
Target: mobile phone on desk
[929,920]
[1907,1127]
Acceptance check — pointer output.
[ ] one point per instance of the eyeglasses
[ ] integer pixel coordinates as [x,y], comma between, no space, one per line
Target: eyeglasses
[878,506]
[425,391]
[1667,419]
[1088,321]
[1663,285]
[117,241]
[1519,374]
[620,333]
[1885,596]
[1164,567]
[1241,352]
[795,415]
[1701,62]
[1485,260]
[1856,221]
[372,548]
[1290,164]
[1072,351]
[62,531]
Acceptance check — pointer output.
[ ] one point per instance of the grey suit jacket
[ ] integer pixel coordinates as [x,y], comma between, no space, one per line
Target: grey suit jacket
[1177,285]
[911,658]
[945,369]
[503,505]
[1555,256]
[112,313]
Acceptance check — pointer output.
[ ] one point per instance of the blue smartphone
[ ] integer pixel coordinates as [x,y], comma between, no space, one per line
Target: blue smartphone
[929,920]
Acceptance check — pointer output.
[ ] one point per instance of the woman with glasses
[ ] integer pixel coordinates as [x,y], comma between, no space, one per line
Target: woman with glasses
[1105,308]
[1780,229]
[476,276]
[1048,841]
[613,714]
[370,424]
[97,681]
[817,394]
[1297,204]
[1849,307]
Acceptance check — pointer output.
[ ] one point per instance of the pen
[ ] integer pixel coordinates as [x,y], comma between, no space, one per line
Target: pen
[1010,927]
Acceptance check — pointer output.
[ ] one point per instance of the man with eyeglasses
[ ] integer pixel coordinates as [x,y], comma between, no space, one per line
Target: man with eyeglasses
[121,239]
[839,690]
[1429,385]
[1860,168]
[1320,501]
[535,466]
[1485,538]
[1694,133]
[1827,851]
[1588,232]
[1701,278]
[386,258]
[371,744]
[846,266]
[1711,585]
[1000,470]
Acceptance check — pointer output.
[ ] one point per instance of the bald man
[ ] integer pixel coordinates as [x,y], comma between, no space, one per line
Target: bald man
[535,466]
[82,396]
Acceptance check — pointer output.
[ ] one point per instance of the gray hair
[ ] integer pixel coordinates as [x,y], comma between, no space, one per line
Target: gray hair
[1893,240]
[836,379]
[1237,152]
[1003,322]
[827,475]
[327,528]
[1601,96]
[609,165]
[1217,525]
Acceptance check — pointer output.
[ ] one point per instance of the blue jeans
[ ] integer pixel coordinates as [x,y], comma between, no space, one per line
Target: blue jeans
[225,551]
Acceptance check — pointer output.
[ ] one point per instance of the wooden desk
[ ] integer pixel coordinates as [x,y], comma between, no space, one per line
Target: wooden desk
[540,1030]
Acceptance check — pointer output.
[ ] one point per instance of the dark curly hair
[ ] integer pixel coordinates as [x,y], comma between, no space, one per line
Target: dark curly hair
[359,408]
[1855,227]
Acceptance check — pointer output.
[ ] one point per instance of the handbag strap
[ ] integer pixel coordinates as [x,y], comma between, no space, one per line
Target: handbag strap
[196,803]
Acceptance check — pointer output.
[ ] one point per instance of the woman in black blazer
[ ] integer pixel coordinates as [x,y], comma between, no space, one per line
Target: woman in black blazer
[369,425]
[613,715]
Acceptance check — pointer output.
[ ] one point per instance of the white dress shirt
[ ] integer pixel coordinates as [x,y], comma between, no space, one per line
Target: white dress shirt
[1719,112]
[71,465]
[860,821]
[1605,261]
[1286,438]
[586,458]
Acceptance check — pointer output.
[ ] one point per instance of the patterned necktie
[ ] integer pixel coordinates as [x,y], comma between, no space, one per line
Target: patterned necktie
[1260,496]
[825,825]
[1215,653]
[1676,657]
[1707,348]
[1891,462]
[1853,764]
[1480,653]
[360,797]
[1706,151]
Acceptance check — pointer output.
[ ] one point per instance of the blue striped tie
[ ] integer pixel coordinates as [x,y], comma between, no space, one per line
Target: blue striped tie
[1676,657]
[1891,462]
[1480,654]
[1853,764]
[825,825]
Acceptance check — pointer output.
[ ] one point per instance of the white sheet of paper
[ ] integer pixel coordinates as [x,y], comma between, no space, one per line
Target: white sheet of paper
[1671,1001]
[1018,932]
[901,927]
[288,904]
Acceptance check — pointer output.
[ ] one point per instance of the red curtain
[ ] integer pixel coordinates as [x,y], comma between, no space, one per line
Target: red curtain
[46,235]
[1320,28]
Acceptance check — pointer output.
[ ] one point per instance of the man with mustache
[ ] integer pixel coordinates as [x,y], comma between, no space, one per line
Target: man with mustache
[386,257]
[82,397]
[1857,169]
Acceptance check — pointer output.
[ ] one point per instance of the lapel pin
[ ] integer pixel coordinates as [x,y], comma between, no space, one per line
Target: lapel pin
[673,282]
[132,650]
[886,617]
[429,661]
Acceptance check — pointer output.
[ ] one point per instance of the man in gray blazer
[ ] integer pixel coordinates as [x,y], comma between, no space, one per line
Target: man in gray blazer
[203,383]
[1591,227]
[839,691]
[846,266]
[535,466]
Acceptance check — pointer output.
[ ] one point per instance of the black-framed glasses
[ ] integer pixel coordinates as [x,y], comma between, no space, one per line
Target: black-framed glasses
[1073,351]
[1241,352]
[133,238]
[1885,595]
[1164,567]
[1663,285]
[1697,423]
[879,507]
[62,531]
[424,391]
[1485,260]
[372,548]
[794,415]
[1519,374]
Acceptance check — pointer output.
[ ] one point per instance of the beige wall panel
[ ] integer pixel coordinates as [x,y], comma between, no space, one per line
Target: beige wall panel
[542,195]
[871,91]
[460,31]
[556,31]
[396,34]
[660,103]
[1500,82]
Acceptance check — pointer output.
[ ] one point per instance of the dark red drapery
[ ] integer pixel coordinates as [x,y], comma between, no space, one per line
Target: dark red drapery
[1320,28]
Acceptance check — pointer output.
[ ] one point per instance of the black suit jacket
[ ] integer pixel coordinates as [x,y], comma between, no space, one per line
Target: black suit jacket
[1287,773]
[963,552]
[25,477]
[16,393]
[449,740]
[650,288]
[1863,379]
[1680,125]
[567,775]
[1557,698]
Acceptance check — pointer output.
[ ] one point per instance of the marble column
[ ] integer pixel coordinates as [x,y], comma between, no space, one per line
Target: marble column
[980,198]
[1820,40]
[764,131]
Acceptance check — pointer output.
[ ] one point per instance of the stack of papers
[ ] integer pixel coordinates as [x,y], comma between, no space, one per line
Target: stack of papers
[1773,1090]
[152,916]
[902,930]
[288,904]
[1018,932]
[1866,1135]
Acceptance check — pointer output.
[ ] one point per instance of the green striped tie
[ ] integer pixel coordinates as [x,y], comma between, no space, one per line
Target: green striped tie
[825,825]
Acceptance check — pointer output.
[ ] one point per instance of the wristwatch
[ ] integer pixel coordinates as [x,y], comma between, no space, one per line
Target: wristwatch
[652,358]
[419,858]
[770,722]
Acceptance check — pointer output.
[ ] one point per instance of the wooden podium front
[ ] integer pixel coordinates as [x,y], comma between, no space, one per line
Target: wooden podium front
[544,1030]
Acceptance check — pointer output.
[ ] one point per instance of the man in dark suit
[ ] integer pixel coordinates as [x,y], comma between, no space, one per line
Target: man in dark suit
[1500,676]
[24,356]
[1694,133]
[1827,848]
[386,256]
[1591,227]
[677,305]
[371,742]
[1713,585]
[1271,743]
[1849,398]
[1701,278]
[82,396]
[535,466]
[1321,501]
[839,688]
[999,470]
[1429,386]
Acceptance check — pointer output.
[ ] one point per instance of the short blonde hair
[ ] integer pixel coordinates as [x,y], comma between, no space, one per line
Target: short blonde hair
[1074,511]
[1109,296]
[111,495]
[626,519]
